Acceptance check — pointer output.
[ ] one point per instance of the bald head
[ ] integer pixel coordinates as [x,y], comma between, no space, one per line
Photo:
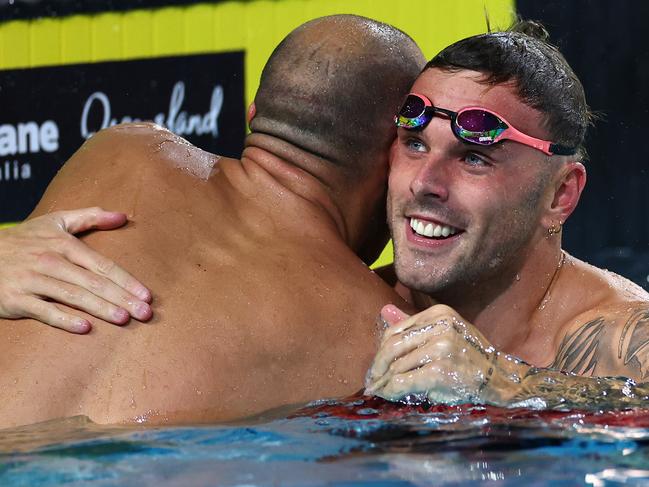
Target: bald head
[332,87]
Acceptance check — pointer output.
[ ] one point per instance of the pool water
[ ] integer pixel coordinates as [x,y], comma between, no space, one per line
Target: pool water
[359,441]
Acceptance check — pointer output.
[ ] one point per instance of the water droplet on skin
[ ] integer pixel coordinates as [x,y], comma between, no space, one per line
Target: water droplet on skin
[544,303]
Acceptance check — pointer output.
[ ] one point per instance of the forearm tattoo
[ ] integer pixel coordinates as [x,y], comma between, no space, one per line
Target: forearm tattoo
[579,351]
[634,341]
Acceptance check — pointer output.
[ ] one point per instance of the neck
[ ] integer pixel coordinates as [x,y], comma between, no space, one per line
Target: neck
[298,172]
[515,308]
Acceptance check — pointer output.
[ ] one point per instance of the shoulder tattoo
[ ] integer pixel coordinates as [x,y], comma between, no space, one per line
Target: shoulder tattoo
[634,341]
[579,351]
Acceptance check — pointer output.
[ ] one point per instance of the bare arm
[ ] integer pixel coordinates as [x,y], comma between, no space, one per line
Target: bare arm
[41,261]
[438,356]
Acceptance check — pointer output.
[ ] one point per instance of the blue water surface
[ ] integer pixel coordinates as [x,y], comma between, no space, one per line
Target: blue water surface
[341,444]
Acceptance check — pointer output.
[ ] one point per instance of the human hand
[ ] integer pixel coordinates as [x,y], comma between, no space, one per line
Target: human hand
[434,355]
[41,259]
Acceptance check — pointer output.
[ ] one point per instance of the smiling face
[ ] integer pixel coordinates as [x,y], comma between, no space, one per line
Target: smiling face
[462,214]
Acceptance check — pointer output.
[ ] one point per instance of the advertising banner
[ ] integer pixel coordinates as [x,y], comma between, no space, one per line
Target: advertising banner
[48,112]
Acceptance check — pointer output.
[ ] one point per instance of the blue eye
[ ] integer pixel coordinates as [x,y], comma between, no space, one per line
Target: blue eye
[474,160]
[415,145]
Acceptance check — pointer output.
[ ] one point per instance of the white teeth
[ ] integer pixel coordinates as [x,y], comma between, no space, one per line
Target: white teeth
[431,230]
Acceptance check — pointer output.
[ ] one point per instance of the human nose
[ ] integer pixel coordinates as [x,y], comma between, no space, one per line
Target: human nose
[431,180]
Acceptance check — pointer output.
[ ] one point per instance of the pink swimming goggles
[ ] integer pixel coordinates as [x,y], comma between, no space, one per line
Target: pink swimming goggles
[474,125]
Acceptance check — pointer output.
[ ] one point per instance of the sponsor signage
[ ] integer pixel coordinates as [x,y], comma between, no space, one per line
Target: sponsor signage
[47,113]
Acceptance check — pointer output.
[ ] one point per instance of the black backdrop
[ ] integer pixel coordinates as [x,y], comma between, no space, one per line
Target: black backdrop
[28,9]
[605,44]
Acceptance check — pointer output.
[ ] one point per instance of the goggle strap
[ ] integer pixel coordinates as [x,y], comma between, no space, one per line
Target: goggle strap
[562,150]
[516,135]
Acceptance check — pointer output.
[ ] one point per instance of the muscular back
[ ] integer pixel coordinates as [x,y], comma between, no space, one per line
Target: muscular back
[258,300]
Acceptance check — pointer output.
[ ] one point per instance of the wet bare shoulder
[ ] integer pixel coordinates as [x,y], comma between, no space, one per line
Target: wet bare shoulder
[609,340]
[608,287]
[117,167]
[633,340]
[157,144]
[602,310]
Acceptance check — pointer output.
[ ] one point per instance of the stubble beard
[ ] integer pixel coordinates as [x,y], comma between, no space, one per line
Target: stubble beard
[464,273]
[475,265]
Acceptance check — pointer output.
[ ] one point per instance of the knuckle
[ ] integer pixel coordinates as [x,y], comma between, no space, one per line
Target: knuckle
[390,344]
[443,309]
[434,374]
[90,215]
[53,220]
[65,242]
[95,284]
[430,315]
[22,281]
[15,307]
[392,368]
[104,266]
[48,259]
[73,294]
[443,347]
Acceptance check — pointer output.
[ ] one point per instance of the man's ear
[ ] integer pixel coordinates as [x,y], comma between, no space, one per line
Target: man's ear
[567,190]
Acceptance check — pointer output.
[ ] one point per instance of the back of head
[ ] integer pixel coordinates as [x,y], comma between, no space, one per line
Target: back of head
[523,56]
[333,85]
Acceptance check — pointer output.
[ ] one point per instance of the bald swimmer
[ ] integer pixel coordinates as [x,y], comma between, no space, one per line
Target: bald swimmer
[261,298]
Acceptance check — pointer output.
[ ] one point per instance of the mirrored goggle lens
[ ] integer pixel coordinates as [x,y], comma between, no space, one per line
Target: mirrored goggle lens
[412,107]
[478,126]
[413,113]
